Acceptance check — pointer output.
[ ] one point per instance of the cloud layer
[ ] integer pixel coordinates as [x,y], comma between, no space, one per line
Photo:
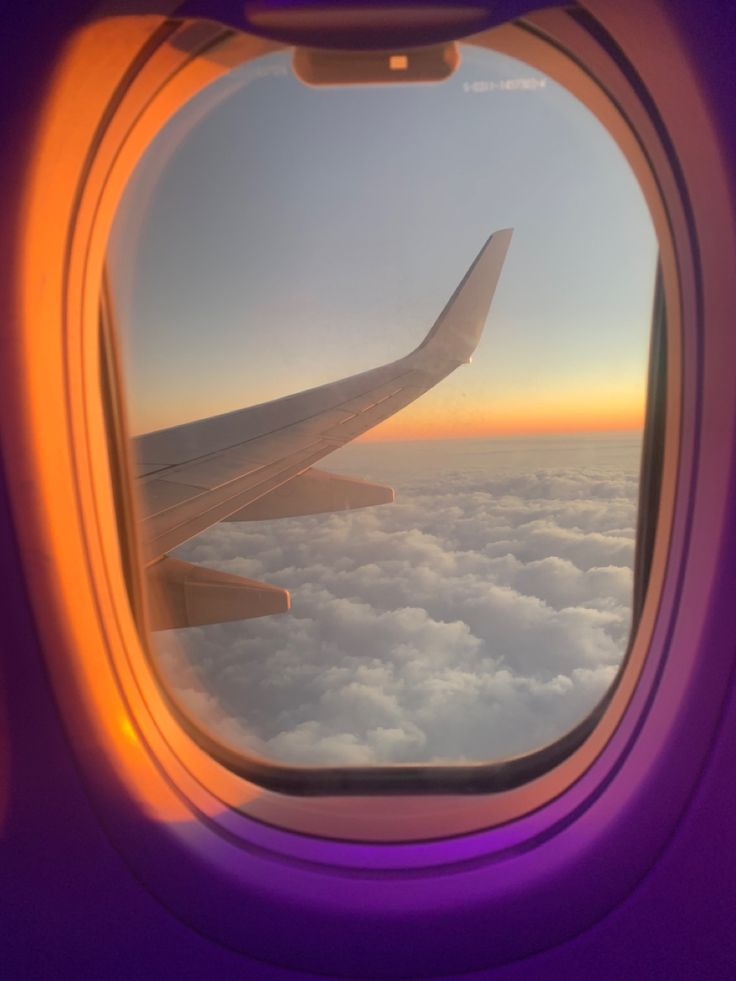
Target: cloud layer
[480,616]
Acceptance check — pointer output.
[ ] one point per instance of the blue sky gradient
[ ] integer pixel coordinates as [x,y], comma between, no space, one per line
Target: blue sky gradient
[298,235]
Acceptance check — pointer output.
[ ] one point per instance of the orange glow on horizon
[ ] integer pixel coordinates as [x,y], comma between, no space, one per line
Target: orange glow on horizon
[475,424]
[555,405]
[440,422]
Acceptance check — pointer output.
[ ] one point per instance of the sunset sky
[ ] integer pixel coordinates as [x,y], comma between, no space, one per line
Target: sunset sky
[300,235]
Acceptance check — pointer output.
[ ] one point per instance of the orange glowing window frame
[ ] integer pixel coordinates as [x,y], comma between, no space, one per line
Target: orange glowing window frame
[119,81]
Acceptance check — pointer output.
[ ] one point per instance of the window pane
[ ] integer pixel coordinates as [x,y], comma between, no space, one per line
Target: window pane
[296,236]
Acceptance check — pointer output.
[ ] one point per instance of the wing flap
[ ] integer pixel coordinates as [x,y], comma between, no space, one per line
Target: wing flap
[184,595]
[315,492]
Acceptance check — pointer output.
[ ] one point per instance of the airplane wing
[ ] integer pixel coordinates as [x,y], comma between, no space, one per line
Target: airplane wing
[257,463]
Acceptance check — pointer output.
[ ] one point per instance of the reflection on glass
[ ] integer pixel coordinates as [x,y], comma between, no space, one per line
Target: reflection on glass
[296,236]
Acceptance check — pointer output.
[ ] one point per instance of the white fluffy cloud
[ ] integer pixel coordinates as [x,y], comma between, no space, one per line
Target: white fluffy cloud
[482,615]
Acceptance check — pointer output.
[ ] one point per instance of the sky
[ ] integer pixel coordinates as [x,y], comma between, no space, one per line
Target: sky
[298,235]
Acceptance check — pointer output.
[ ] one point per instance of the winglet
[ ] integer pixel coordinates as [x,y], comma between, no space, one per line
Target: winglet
[457,330]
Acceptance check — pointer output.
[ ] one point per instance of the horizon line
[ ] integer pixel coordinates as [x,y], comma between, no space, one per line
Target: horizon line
[518,434]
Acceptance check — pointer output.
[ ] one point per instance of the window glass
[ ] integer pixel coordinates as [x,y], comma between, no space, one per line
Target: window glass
[294,236]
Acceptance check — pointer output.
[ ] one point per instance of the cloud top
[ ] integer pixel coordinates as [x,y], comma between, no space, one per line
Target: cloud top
[480,616]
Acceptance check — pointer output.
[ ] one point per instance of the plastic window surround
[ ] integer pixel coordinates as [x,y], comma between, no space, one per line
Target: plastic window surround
[176,61]
[134,73]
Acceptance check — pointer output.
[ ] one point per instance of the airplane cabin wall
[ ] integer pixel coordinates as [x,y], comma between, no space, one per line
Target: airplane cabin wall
[71,907]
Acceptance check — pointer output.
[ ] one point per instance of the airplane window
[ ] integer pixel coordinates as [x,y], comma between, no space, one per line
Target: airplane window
[385,354]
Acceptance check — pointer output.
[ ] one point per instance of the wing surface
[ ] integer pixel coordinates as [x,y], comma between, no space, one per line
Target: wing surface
[197,474]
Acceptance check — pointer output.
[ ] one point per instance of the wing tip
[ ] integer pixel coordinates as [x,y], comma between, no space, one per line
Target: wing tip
[459,336]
